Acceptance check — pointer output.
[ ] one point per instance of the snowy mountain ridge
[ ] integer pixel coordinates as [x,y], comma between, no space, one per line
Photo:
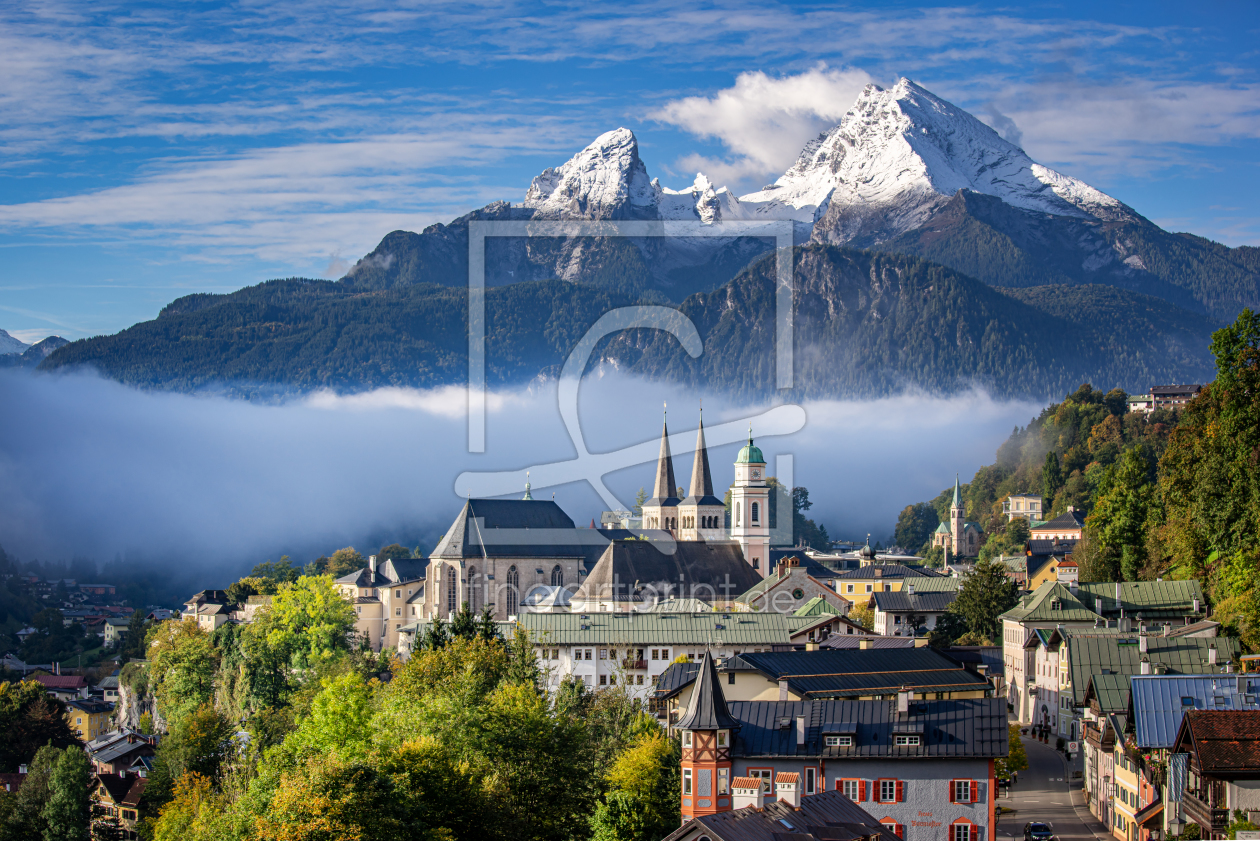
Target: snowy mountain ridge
[9,344]
[896,157]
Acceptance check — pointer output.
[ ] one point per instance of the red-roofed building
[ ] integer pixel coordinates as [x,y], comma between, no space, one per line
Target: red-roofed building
[63,687]
[1224,772]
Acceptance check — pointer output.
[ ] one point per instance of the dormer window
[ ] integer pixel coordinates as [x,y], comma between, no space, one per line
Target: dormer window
[686,738]
[722,737]
[908,741]
[838,741]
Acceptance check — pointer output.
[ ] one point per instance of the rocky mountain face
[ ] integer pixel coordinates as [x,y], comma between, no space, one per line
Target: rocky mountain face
[34,354]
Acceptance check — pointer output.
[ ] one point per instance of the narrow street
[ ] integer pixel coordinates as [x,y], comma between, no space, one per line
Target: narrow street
[1046,792]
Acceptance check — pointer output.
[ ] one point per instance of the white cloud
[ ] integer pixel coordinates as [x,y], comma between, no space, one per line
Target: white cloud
[764,120]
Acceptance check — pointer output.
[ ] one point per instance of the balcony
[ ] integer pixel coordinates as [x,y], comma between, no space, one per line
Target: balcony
[1203,814]
[631,665]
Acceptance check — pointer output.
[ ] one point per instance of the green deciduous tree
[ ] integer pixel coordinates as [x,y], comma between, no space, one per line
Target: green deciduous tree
[29,719]
[345,561]
[1016,759]
[393,552]
[307,621]
[182,663]
[915,525]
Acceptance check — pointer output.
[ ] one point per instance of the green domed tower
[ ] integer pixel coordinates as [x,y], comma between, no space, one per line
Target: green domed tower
[750,512]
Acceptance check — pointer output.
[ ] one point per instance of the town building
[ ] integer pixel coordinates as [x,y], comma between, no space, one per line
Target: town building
[1066,526]
[1174,396]
[859,585]
[116,803]
[959,537]
[210,609]
[386,596]
[632,574]
[119,751]
[1143,403]
[1223,767]
[1024,506]
[114,631]
[1044,558]
[63,687]
[795,580]
[825,816]
[908,612]
[88,717]
[921,768]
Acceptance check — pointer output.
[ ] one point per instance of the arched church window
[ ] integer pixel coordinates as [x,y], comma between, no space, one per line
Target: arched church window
[473,583]
[756,511]
[452,591]
[513,589]
[557,576]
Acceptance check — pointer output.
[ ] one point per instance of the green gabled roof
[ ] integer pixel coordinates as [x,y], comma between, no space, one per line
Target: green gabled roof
[734,628]
[672,605]
[1121,655]
[1154,599]
[1112,692]
[1039,606]
[816,606]
[942,529]
[934,584]
[756,590]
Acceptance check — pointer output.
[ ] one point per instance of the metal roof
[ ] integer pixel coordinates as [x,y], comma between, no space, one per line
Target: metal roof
[815,607]
[726,629]
[707,708]
[1121,655]
[963,728]
[867,573]
[673,605]
[827,815]
[836,672]
[643,571]
[1152,599]
[855,641]
[1160,701]
[518,528]
[1111,691]
[916,602]
[935,584]
[1039,606]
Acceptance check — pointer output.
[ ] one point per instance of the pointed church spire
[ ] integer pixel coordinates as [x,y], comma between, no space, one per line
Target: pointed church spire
[701,479]
[707,710]
[957,492]
[665,486]
[528,495]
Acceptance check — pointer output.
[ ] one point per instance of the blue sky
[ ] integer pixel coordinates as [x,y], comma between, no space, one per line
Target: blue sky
[151,150]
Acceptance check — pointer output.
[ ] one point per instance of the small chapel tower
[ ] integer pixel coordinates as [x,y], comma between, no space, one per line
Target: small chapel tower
[750,512]
[661,511]
[701,516]
[958,521]
[708,729]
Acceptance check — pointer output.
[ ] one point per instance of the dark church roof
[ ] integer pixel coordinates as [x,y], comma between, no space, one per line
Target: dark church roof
[664,488]
[640,570]
[707,710]
[519,528]
[701,491]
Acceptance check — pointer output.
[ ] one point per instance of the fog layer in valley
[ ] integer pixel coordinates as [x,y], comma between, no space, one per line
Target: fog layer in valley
[93,469]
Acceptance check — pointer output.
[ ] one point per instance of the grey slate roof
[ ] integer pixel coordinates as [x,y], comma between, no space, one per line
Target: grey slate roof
[518,528]
[838,673]
[974,727]
[683,569]
[903,602]
[681,675]
[886,571]
[707,708]
[1066,520]
[826,816]
[1160,701]
[855,641]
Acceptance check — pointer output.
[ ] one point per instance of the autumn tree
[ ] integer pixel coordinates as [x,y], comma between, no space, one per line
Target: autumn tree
[643,797]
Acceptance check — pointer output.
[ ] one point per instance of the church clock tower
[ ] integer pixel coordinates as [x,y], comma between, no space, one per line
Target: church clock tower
[750,512]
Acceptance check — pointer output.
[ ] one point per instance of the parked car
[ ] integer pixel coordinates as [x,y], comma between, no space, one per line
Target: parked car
[1038,831]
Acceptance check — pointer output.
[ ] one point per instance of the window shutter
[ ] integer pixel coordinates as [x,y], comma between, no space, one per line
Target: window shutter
[975,833]
[901,830]
[975,791]
[953,787]
[862,791]
[901,792]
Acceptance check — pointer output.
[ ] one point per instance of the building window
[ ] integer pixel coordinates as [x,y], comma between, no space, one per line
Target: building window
[603,654]
[687,738]
[737,513]
[724,783]
[889,791]
[513,589]
[811,780]
[838,741]
[472,590]
[603,680]
[756,513]
[962,832]
[722,736]
[664,653]
[907,741]
[686,781]
[849,588]
[963,791]
[452,592]
[852,789]
[766,775]
[398,611]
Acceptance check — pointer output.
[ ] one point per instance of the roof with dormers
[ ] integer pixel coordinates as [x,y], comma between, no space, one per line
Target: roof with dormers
[1052,602]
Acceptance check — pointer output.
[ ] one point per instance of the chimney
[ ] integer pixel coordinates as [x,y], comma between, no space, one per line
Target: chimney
[1146,666]
[864,643]
[1072,586]
[1212,654]
[1117,594]
[909,589]
[903,701]
[800,732]
[788,786]
[811,646]
[1142,643]
[1196,606]
[1160,669]
[372,565]
[22,769]
[783,689]
[1098,606]
[1168,629]
[746,791]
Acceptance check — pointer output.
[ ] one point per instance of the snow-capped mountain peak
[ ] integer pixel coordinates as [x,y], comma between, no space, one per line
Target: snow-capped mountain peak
[899,154]
[8,344]
[606,180]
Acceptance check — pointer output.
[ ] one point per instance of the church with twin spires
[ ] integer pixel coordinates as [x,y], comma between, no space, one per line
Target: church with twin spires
[702,516]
